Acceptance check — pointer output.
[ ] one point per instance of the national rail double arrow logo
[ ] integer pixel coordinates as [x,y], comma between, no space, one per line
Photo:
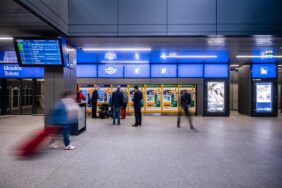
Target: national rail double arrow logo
[110,70]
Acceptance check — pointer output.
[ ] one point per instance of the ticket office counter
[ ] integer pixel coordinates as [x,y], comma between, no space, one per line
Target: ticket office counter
[157,98]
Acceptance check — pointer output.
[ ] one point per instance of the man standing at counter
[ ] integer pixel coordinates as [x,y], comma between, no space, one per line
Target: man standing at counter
[94,103]
[137,104]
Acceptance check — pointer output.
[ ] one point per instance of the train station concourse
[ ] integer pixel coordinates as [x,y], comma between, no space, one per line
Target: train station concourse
[139,94]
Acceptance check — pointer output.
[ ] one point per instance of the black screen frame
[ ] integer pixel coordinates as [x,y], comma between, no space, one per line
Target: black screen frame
[38,38]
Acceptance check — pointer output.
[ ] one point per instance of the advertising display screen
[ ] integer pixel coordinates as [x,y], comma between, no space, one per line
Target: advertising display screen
[141,87]
[110,71]
[264,71]
[264,97]
[190,71]
[170,98]
[15,71]
[153,97]
[192,89]
[39,52]
[137,71]
[163,71]
[86,71]
[215,96]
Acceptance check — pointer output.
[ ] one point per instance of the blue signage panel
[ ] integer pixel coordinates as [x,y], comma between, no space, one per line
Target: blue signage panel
[161,56]
[164,71]
[39,52]
[86,57]
[86,71]
[137,71]
[8,57]
[216,71]
[123,57]
[267,56]
[15,71]
[264,97]
[264,70]
[110,71]
[190,71]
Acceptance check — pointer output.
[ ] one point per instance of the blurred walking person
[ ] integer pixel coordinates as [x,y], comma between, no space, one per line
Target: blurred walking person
[185,104]
[65,115]
[137,104]
[116,104]
[94,100]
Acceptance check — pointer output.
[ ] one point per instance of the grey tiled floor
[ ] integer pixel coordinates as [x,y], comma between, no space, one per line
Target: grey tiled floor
[238,151]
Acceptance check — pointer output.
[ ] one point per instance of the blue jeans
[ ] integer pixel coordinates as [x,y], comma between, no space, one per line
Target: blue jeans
[66,134]
[116,114]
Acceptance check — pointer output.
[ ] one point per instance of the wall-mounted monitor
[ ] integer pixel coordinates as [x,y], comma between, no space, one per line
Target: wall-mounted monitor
[137,71]
[216,70]
[164,71]
[110,71]
[190,70]
[86,71]
[39,52]
[264,70]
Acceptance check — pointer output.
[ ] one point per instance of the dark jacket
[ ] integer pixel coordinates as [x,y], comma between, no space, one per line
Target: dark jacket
[137,99]
[94,97]
[117,99]
[185,100]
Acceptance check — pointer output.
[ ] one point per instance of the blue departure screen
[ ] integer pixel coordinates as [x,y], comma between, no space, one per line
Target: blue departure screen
[216,71]
[137,71]
[264,97]
[38,52]
[86,71]
[190,71]
[15,71]
[163,71]
[264,71]
[110,71]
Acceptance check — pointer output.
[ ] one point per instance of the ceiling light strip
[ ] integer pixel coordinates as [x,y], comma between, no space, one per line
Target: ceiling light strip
[188,56]
[258,56]
[128,61]
[6,38]
[117,49]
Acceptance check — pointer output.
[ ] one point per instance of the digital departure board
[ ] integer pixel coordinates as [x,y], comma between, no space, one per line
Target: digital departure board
[39,52]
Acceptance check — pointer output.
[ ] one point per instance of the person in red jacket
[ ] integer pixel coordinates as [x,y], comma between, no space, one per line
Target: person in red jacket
[79,96]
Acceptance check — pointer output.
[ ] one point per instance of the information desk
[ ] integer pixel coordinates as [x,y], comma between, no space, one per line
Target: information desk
[81,124]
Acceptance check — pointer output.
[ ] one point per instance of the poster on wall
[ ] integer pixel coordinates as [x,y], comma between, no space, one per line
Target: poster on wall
[87,91]
[192,89]
[153,97]
[216,96]
[170,98]
[264,97]
[131,93]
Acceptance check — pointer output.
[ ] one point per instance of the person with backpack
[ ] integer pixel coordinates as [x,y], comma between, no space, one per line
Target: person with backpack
[116,104]
[124,106]
[185,101]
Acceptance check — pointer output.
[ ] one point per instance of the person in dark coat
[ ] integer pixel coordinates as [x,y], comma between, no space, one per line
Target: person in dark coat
[116,104]
[94,99]
[185,104]
[137,104]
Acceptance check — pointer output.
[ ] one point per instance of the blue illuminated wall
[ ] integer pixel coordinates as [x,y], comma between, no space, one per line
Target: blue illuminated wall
[137,71]
[86,71]
[216,70]
[264,70]
[110,71]
[164,71]
[190,71]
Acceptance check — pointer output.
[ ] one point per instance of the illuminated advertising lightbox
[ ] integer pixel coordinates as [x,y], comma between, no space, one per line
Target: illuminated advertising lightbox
[264,97]
[163,71]
[215,96]
[15,71]
[190,71]
[137,71]
[216,71]
[39,52]
[153,97]
[86,71]
[110,71]
[264,71]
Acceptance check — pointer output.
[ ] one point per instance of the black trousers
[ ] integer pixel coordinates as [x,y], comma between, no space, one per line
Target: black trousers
[138,115]
[94,110]
[187,114]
